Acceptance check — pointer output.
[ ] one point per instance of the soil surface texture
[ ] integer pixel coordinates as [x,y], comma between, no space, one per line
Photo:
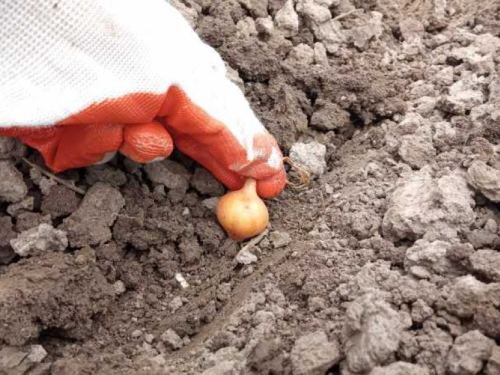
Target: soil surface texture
[387,264]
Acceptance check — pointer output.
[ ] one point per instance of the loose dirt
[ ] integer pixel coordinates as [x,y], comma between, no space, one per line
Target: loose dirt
[389,263]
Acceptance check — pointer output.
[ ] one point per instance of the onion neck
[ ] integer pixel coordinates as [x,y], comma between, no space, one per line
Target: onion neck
[250,186]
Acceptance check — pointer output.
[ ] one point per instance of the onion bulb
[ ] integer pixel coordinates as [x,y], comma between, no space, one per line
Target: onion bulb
[242,213]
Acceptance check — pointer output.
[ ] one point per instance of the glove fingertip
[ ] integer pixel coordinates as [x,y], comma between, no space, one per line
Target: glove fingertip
[146,142]
[272,186]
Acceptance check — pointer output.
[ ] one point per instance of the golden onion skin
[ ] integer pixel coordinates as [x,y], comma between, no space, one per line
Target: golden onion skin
[242,213]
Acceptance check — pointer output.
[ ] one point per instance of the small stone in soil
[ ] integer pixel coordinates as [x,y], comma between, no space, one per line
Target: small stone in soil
[172,339]
[119,287]
[37,353]
[311,156]
[246,257]
[39,240]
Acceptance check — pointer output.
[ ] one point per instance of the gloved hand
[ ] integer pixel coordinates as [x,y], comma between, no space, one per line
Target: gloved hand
[82,79]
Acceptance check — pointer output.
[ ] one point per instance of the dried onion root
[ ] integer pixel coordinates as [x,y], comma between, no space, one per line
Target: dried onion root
[304,175]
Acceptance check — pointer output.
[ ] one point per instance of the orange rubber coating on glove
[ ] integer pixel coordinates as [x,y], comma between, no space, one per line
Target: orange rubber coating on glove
[210,142]
[142,127]
[146,142]
[66,147]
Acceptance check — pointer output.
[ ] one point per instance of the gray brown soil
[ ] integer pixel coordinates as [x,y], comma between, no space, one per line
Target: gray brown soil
[389,263]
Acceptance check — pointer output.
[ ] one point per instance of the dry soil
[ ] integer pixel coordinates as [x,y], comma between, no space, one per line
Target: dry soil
[388,263]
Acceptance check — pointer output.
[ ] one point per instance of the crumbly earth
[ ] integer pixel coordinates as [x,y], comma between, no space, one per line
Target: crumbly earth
[388,263]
